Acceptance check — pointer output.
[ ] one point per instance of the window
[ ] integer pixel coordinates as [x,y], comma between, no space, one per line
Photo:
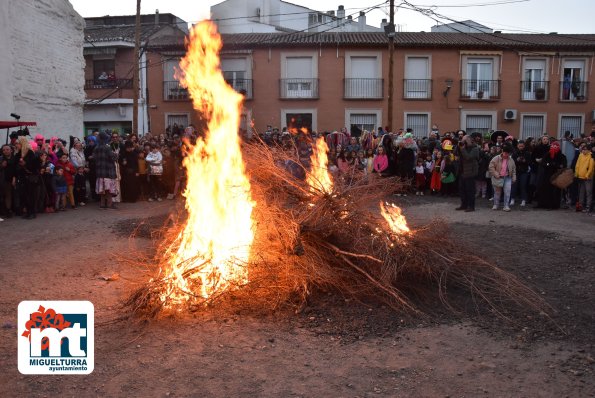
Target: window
[299,118]
[532,126]
[417,78]
[479,124]
[235,73]
[298,74]
[172,89]
[359,122]
[419,123]
[104,67]
[363,75]
[534,84]
[180,120]
[480,76]
[573,80]
[572,123]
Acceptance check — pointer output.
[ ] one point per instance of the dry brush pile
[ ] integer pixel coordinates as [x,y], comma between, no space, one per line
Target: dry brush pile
[307,240]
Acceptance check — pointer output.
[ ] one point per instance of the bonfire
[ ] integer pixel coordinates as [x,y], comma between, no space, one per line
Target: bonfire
[254,235]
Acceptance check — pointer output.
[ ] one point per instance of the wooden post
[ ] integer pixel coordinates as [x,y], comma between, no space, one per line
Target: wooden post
[135,76]
[391,50]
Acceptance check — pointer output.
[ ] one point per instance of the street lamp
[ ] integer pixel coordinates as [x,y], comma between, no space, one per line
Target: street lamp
[448,86]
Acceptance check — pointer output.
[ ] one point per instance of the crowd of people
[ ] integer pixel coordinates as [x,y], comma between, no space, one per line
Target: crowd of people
[47,175]
[498,167]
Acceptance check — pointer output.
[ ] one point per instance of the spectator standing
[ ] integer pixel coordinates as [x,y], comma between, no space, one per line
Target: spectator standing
[128,160]
[80,187]
[69,171]
[77,155]
[583,171]
[7,172]
[60,187]
[105,171]
[90,163]
[28,167]
[549,196]
[503,172]
[469,153]
[155,163]
[522,159]
[381,161]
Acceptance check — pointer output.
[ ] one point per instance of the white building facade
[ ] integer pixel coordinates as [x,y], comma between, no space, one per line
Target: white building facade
[42,66]
[268,16]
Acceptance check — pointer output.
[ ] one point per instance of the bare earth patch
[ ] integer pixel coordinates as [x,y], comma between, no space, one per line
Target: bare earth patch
[335,346]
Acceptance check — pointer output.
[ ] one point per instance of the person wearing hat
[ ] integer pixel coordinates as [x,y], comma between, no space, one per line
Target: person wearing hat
[503,172]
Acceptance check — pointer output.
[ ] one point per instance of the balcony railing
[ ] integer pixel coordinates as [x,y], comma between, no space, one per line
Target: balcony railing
[242,86]
[363,88]
[298,88]
[173,91]
[417,89]
[574,91]
[107,83]
[532,90]
[480,90]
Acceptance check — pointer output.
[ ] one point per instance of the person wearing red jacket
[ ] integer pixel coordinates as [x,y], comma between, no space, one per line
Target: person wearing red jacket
[69,172]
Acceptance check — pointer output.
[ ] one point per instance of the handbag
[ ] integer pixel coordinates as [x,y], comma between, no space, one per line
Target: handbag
[156,170]
[497,182]
[562,178]
[447,178]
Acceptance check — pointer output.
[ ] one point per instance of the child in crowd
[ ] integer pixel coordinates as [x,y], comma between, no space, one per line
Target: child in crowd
[60,187]
[68,172]
[369,161]
[420,177]
[142,176]
[448,177]
[381,161]
[80,187]
[428,170]
[436,182]
[47,174]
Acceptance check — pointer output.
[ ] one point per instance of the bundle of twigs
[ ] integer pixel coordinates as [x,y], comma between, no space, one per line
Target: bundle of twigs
[307,239]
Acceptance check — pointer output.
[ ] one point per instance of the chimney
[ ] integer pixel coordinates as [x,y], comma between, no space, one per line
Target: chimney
[361,21]
[383,23]
[156,17]
[341,12]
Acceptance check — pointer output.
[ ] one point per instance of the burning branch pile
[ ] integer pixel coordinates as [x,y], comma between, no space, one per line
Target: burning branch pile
[266,239]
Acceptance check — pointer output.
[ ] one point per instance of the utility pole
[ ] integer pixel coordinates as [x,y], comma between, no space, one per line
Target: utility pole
[135,76]
[391,50]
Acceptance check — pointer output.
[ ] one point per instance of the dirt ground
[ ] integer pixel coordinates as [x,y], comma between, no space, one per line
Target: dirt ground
[336,347]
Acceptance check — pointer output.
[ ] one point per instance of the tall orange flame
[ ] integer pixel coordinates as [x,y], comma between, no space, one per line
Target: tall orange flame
[211,252]
[319,179]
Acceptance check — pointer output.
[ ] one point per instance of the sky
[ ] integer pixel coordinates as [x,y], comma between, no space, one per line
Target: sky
[514,16]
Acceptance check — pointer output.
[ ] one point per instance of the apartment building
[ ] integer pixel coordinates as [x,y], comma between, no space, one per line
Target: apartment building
[526,84]
[109,60]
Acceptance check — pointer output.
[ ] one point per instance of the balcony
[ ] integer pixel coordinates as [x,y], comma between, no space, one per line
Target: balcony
[420,89]
[107,83]
[298,88]
[242,86]
[574,91]
[532,90]
[363,88]
[173,91]
[480,90]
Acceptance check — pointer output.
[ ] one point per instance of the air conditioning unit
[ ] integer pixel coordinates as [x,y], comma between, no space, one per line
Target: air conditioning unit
[510,114]
[593,116]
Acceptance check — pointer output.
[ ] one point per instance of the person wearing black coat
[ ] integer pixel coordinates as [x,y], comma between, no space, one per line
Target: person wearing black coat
[129,169]
[547,195]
